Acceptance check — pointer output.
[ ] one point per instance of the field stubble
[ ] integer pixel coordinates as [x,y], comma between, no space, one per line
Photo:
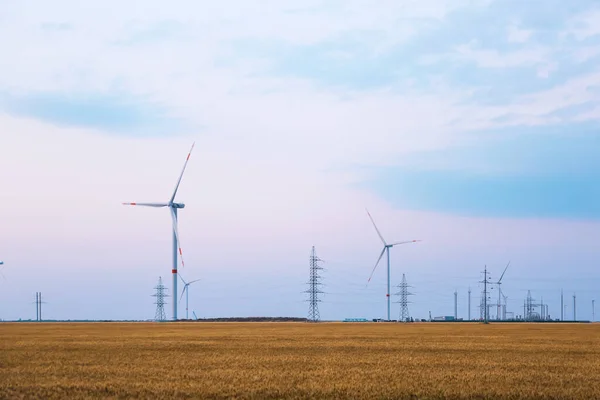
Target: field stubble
[299,360]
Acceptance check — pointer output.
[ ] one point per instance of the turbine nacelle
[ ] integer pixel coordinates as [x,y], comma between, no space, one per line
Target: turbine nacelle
[177,205]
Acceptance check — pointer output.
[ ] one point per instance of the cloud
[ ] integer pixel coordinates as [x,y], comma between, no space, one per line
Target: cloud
[518,35]
[584,25]
[515,172]
[109,113]
[569,197]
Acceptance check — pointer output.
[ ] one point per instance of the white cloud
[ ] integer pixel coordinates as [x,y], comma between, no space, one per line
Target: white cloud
[518,35]
[584,25]
[494,59]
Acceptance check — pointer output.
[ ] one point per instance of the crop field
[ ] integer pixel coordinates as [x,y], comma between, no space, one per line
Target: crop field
[299,360]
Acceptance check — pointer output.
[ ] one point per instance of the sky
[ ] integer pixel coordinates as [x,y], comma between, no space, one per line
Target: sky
[472,125]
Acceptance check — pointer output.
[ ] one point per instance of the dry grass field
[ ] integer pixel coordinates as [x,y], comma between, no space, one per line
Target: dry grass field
[299,360]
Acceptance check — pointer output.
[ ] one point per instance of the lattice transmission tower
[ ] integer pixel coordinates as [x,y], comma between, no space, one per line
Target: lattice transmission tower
[484,305]
[314,284]
[160,295]
[403,293]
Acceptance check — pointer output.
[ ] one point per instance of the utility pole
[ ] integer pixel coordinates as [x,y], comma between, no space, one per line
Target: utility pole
[37,306]
[403,293]
[160,295]
[562,307]
[469,306]
[455,305]
[313,287]
[574,308]
[485,295]
[593,311]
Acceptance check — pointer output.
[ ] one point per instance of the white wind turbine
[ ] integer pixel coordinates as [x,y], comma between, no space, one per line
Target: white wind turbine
[386,248]
[176,243]
[498,312]
[187,292]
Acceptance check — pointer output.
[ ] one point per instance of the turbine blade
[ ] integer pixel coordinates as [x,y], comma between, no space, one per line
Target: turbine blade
[376,264]
[176,230]
[181,176]
[147,204]
[182,293]
[406,241]
[181,277]
[193,281]
[379,233]
[501,276]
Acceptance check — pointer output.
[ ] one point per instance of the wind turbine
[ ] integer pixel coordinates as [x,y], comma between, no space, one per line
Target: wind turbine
[386,249]
[176,243]
[187,292]
[500,291]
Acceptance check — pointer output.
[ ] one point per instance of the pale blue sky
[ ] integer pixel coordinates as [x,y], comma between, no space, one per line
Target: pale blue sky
[473,125]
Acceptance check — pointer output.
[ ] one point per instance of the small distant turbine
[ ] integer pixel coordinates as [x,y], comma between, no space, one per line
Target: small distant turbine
[500,291]
[386,248]
[176,243]
[187,292]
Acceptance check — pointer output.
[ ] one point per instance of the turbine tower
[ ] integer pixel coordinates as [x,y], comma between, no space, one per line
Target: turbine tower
[186,292]
[176,243]
[499,310]
[386,249]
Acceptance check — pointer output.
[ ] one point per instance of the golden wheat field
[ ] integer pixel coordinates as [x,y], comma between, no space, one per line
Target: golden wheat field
[299,360]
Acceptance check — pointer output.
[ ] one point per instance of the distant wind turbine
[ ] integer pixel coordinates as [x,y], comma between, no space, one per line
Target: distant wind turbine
[187,292]
[500,291]
[386,249]
[176,243]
